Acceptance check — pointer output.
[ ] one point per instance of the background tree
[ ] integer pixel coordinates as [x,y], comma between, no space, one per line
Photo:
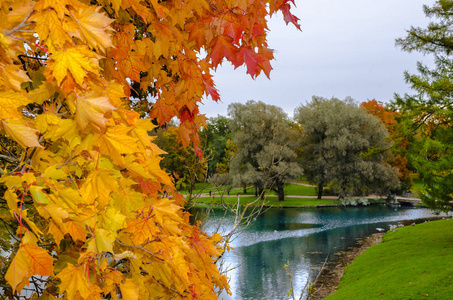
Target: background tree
[343,145]
[391,120]
[214,137]
[186,165]
[265,146]
[429,112]
[82,210]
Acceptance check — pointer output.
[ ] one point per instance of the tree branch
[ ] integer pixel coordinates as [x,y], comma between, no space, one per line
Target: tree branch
[18,27]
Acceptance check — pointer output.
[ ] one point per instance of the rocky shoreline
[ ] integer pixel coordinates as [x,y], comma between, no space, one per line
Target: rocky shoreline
[330,276]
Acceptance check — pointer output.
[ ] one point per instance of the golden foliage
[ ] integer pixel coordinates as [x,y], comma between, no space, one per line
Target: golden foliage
[81,185]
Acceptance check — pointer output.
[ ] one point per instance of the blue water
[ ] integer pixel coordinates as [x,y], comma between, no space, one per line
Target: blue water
[301,237]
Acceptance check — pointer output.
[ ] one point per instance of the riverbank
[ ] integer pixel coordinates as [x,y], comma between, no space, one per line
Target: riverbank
[412,262]
[330,276]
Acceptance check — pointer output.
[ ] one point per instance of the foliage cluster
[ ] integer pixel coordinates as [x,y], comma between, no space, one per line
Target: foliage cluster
[86,210]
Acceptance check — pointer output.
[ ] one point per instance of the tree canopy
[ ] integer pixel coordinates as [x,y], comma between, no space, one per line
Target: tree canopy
[344,146]
[84,206]
[265,141]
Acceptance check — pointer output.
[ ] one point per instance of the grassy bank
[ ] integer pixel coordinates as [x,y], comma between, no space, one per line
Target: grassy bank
[415,262]
[273,201]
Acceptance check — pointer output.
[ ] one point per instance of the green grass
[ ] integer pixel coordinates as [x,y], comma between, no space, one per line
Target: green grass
[273,201]
[299,190]
[416,262]
[417,186]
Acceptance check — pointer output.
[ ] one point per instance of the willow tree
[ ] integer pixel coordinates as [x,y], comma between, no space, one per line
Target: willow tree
[82,206]
[344,146]
[265,141]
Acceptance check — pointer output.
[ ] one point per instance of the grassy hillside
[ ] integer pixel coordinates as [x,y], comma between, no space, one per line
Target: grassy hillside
[416,262]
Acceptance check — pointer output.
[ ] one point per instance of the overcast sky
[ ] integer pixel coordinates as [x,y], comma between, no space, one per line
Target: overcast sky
[346,48]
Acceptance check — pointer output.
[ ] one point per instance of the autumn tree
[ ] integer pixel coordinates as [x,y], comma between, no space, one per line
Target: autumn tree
[83,214]
[429,111]
[391,120]
[344,146]
[265,147]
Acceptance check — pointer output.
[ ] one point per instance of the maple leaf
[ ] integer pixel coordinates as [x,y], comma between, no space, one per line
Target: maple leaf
[288,16]
[76,60]
[162,112]
[222,47]
[10,103]
[29,260]
[21,131]
[116,141]
[252,60]
[94,27]
[74,282]
[92,109]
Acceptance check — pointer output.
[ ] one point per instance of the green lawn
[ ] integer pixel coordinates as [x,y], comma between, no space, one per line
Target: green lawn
[273,201]
[416,262]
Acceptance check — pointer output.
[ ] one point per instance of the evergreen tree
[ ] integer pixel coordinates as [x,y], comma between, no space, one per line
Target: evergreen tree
[429,111]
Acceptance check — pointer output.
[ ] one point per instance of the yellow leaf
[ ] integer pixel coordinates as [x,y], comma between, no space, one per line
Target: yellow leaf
[94,27]
[116,141]
[76,60]
[11,200]
[43,93]
[104,240]
[129,290]
[98,186]
[73,281]
[10,104]
[29,260]
[75,229]
[22,132]
[49,26]
[56,232]
[38,195]
[13,77]
[92,110]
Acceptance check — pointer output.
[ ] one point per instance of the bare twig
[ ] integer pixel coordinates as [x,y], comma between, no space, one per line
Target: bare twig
[140,248]
[18,27]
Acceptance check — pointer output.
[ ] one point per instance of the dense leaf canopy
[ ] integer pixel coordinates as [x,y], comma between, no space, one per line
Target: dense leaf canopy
[84,206]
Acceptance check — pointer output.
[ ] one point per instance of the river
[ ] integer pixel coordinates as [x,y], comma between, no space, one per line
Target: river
[300,237]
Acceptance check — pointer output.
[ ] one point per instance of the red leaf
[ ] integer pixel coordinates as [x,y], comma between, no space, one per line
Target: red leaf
[288,16]
[233,30]
[251,59]
[223,48]
[210,88]
[199,152]
[186,114]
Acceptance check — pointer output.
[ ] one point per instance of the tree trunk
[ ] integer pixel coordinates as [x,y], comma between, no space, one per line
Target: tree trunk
[280,190]
[320,189]
[244,189]
[261,192]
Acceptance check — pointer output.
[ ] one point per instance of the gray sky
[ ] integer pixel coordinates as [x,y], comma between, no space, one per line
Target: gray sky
[346,48]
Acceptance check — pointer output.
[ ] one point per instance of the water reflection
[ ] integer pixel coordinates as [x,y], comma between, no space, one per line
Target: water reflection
[302,237]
